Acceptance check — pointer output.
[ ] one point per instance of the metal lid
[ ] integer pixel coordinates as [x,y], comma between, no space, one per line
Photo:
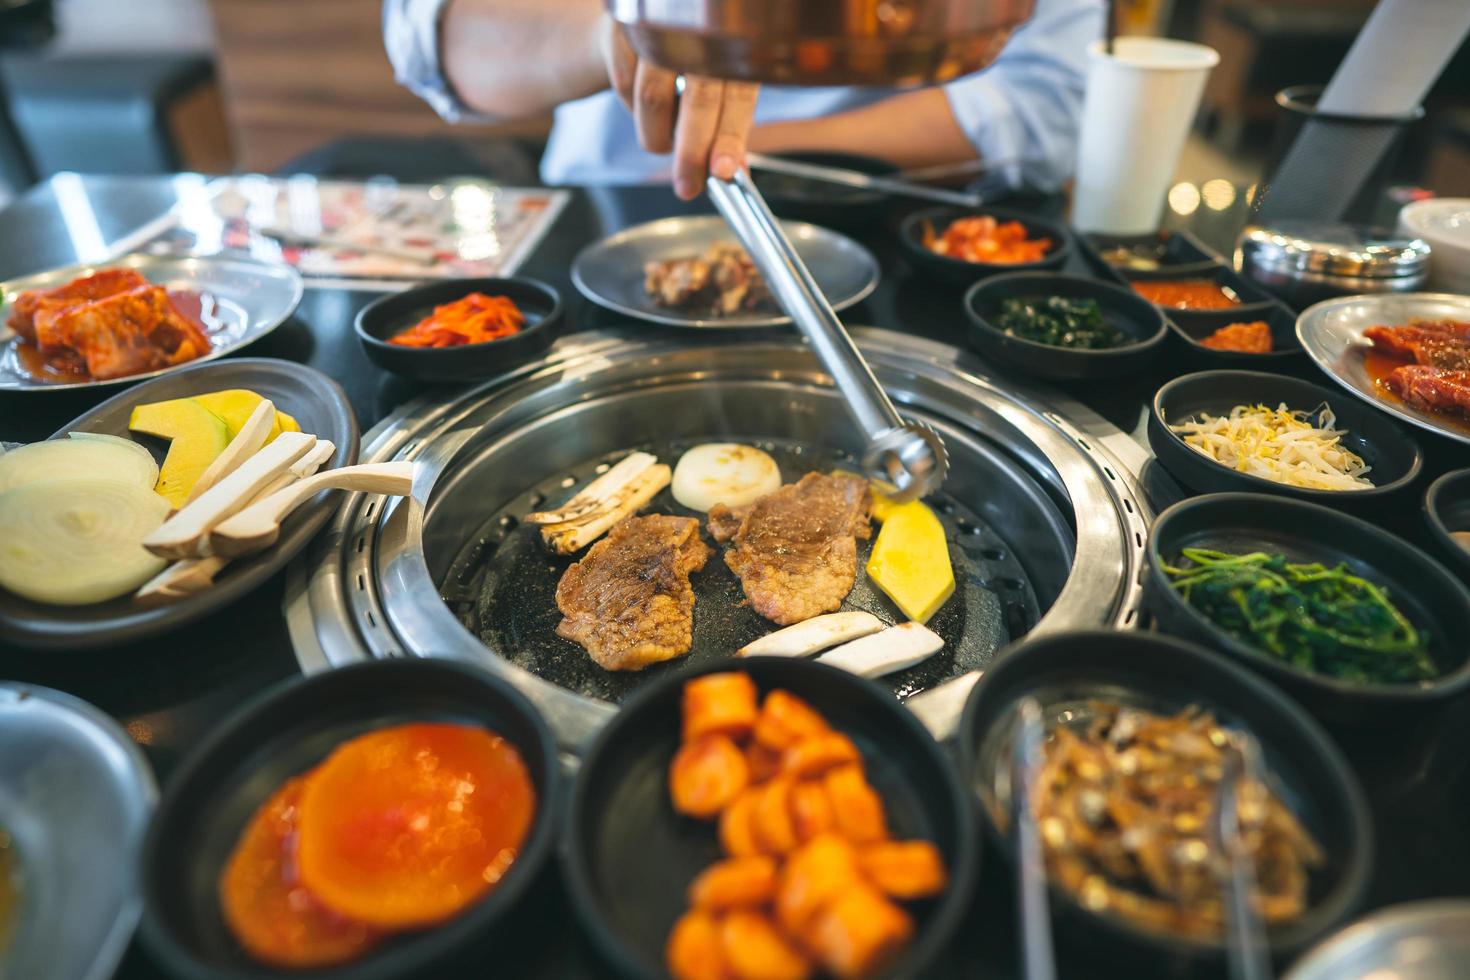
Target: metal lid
[1333,250]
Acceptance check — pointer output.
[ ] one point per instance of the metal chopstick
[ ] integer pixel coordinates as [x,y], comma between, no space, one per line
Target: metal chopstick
[965,168]
[852,178]
[1037,956]
[1245,940]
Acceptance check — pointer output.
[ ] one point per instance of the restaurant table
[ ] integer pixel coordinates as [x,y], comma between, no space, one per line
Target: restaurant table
[169,691]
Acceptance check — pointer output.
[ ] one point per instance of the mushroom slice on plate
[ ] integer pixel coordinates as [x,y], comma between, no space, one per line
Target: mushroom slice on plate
[184,578]
[812,635]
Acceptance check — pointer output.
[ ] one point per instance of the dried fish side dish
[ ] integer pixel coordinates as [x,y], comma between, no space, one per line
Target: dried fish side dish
[1125,804]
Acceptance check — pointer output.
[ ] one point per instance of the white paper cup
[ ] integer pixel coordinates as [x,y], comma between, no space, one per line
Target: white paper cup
[1444,223]
[1141,101]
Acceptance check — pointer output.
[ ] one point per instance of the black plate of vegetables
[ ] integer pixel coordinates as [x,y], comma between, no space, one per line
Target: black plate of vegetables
[1358,625]
[1063,328]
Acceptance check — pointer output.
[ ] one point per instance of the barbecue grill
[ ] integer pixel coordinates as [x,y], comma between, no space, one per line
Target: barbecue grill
[1046,521]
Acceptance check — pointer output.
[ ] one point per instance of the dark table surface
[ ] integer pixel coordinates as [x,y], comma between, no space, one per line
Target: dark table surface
[169,691]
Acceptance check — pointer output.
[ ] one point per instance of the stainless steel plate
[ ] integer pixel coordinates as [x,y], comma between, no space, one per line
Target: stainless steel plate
[75,798]
[242,300]
[1332,333]
[1427,940]
[610,273]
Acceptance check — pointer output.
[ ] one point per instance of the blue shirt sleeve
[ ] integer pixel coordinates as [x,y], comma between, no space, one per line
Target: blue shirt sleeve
[411,37]
[1025,111]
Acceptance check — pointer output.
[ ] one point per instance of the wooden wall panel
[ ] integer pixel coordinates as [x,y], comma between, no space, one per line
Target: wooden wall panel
[296,74]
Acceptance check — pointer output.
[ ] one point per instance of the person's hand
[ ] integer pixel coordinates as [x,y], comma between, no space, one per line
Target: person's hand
[706,129]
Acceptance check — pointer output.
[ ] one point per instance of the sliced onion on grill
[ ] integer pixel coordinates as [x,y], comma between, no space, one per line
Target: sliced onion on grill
[77,540]
[724,473]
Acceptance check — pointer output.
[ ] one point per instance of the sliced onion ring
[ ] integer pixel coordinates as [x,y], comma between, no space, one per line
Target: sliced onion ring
[84,456]
[77,540]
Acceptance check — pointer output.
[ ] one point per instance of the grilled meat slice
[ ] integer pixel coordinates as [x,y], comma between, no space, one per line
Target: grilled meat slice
[126,333]
[676,283]
[99,285]
[1431,388]
[721,281]
[795,550]
[629,601]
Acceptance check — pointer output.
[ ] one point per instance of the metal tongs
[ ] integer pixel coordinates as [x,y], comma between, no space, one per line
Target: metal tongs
[907,457]
[1245,939]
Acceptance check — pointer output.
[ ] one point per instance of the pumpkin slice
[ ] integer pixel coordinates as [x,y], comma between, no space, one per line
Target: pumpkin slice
[234,405]
[910,561]
[407,826]
[196,436]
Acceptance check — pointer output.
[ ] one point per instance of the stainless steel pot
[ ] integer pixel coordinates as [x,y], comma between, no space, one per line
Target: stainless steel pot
[1052,480]
[821,42]
[1305,262]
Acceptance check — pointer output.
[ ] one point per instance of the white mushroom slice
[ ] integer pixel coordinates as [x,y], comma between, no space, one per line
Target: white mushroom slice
[180,580]
[259,525]
[573,536]
[894,649]
[599,495]
[192,575]
[809,636]
[186,534]
[315,458]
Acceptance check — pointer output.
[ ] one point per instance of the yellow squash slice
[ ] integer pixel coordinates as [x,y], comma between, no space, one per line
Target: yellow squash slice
[910,560]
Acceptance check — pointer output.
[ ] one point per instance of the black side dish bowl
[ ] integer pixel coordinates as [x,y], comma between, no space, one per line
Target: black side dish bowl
[1138,319]
[1447,510]
[925,259]
[1155,673]
[1433,600]
[628,858]
[822,202]
[390,315]
[1385,445]
[285,732]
